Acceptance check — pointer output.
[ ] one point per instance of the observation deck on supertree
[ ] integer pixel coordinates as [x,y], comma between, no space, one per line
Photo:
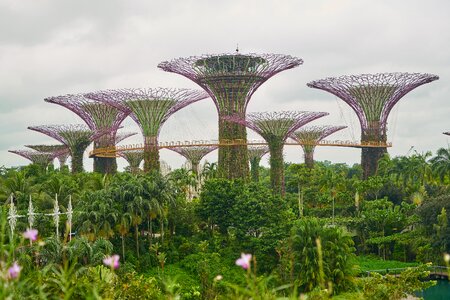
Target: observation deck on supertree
[194,155]
[231,80]
[61,152]
[42,159]
[76,137]
[149,108]
[98,117]
[134,158]
[275,128]
[372,97]
[308,137]
[255,154]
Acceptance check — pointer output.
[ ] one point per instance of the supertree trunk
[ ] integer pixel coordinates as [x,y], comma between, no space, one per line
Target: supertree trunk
[105,165]
[233,160]
[371,156]
[77,160]
[277,167]
[151,155]
[309,158]
[254,168]
[194,167]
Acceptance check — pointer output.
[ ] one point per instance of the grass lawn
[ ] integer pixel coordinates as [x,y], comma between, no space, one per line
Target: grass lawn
[367,263]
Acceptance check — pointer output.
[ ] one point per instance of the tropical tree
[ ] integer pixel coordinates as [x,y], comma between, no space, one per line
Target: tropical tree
[441,164]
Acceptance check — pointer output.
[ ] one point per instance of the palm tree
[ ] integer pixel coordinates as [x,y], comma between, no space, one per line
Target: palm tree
[441,163]
[136,210]
[123,227]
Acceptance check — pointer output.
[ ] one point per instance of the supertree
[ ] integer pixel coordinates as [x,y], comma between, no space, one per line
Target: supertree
[42,159]
[150,108]
[372,97]
[76,137]
[231,80]
[194,154]
[61,152]
[98,117]
[120,136]
[308,137]
[255,154]
[275,128]
[134,158]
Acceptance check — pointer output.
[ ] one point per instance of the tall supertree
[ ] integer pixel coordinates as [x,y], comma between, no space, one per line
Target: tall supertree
[255,154]
[134,158]
[275,128]
[76,137]
[150,108]
[372,97]
[194,154]
[308,137]
[61,152]
[231,80]
[99,117]
[42,159]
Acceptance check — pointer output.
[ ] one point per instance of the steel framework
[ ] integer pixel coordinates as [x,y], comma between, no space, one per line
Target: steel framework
[76,137]
[231,80]
[42,159]
[61,152]
[98,117]
[372,97]
[194,155]
[309,137]
[255,154]
[134,158]
[275,128]
[149,108]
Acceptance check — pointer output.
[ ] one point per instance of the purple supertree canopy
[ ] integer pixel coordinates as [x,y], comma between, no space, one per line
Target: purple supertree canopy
[150,108]
[56,149]
[231,78]
[278,125]
[97,115]
[36,157]
[372,96]
[311,135]
[133,157]
[257,151]
[70,135]
[194,154]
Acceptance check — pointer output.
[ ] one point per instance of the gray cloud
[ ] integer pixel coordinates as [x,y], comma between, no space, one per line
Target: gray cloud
[51,47]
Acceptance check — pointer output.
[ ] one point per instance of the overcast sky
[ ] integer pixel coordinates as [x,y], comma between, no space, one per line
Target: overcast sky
[49,48]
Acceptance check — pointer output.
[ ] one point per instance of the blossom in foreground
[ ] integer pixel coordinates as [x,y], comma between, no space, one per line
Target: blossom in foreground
[244,261]
[447,258]
[112,261]
[31,234]
[218,278]
[14,270]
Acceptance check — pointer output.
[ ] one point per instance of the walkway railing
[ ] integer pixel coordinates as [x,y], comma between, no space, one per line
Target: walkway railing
[113,151]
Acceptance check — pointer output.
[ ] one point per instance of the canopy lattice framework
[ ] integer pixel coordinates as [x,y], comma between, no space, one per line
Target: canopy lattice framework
[134,158]
[61,152]
[149,108]
[39,158]
[372,97]
[76,137]
[98,117]
[309,136]
[275,128]
[231,79]
[194,155]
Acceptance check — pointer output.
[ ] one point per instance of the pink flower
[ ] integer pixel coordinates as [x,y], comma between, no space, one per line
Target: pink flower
[112,261]
[14,270]
[244,261]
[31,234]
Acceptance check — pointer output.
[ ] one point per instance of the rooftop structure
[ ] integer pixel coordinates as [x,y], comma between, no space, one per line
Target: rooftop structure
[149,108]
[231,80]
[275,128]
[308,137]
[372,97]
[98,117]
